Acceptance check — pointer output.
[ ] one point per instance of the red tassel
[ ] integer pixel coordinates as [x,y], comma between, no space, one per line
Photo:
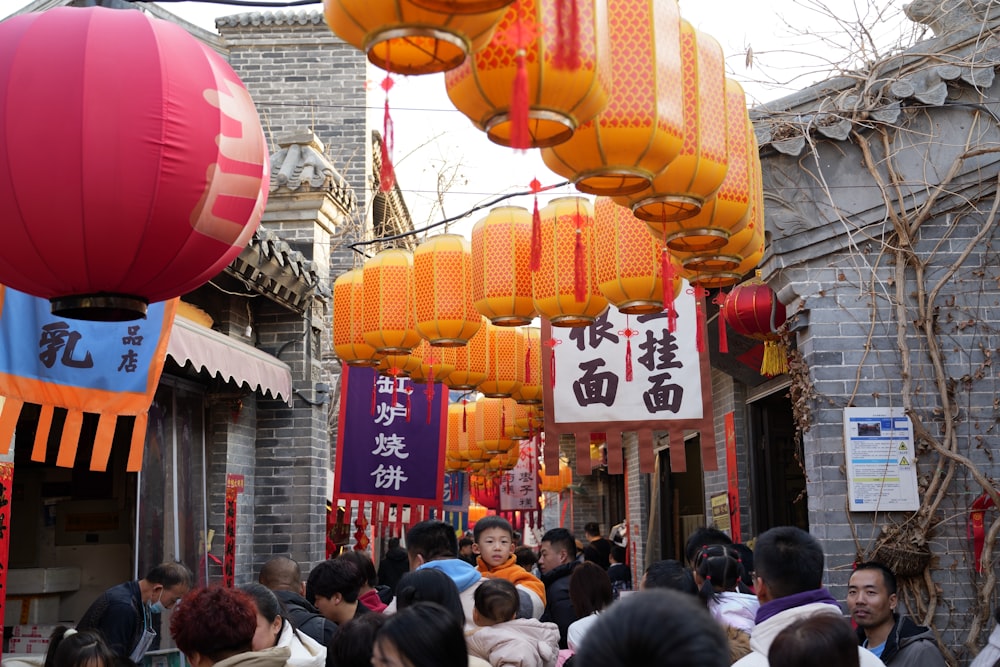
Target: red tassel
[409,394]
[387,175]
[374,385]
[567,55]
[527,366]
[667,271]
[579,266]
[520,136]
[628,359]
[552,369]
[536,229]
[392,373]
[720,299]
[465,417]
[699,312]
[430,393]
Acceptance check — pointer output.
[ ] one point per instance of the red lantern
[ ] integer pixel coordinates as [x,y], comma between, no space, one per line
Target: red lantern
[156,168]
[752,309]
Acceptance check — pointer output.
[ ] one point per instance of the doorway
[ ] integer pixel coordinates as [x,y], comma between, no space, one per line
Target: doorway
[778,478]
[681,502]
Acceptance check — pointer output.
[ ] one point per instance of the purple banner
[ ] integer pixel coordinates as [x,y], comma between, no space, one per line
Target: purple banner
[387,448]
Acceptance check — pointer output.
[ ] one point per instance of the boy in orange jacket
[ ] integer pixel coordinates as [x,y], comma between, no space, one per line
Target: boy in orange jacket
[494,544]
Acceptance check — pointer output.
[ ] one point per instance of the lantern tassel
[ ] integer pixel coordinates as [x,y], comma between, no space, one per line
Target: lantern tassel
[387,175]
[628,359]
[430,393]
[409,394]
[567,55]
[552,369]
[667,271]
[465,416]
[699,313]
[536,229]
[579,264]
[720,301]
[374,385]
[520,136]
[775,361]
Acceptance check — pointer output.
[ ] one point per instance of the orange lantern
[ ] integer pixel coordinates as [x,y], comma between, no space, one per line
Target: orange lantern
[399,364]
[471,361]
[442,277]
[434,364]
[752,309]
[642,129]
[505,347]
[630,264]
[461,6]
[564,289]
[492,415]
[529,391]
[517,422]
[559,482]
[561,95]
[699,169]
[509,460]
[476,512]
[405,38]
[724,212]
[348,336]
[387,319]
[453,448]
[501,275]
[468,447]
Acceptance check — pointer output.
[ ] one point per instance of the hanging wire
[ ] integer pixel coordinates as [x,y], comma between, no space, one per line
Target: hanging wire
[356,246]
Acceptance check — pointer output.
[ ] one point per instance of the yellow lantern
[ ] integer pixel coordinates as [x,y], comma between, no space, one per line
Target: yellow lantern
[433,365]
[564,287]
[442,277]
[468,447]
[506,368]
[642,129]
[476,512]
[501,274]
[471,361]
[681,189]
[462,6]
[529,391]
[387,318]
[492,415]
[348,336]
[509,460]
[560,98]
[559,482]
[453,448]
[630,264]
[724,212]
[405,38]
[399,364]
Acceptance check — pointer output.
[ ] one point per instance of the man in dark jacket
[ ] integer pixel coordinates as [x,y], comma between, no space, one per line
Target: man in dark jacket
[394,565]
[556,562]
[123,614]
[598,548]
[895,639]
[284,577]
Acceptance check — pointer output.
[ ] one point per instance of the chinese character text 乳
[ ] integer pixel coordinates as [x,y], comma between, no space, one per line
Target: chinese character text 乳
[56,336]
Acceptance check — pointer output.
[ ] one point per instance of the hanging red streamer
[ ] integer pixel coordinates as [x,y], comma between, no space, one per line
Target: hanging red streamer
[667,272]
[579,261]
[374,386]
[536,228]
[552,342]
[628,332]
[465,416]
[429,392]
[409,394]
[520,36]
[699,295]
[567,53]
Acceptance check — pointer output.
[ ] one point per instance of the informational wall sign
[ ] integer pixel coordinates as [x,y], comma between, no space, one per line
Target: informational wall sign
[881,461]
[721,518]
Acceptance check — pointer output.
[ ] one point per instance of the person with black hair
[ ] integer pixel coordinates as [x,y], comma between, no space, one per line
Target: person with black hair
[789,583]
[703,537]
[283,576]
[894,638]
[665,628]
[333,587]
[671,574]
[433,545]
[73,648]
[502,638]
[423,635]
[619,572]
[590,593]
[430,585]
[717,573]
[353,643]
[818,637]
[598,548]
[274,630]
[394,565]
[124,613]
[556,561]
[373,596]
[466,550]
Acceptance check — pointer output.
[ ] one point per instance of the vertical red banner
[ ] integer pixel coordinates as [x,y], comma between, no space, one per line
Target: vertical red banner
[732,474]
[234,487]
[6,482]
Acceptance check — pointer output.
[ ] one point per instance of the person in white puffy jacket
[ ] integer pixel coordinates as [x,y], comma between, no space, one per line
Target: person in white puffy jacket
[717,572]
[506,641]
[275,630]
[788,579]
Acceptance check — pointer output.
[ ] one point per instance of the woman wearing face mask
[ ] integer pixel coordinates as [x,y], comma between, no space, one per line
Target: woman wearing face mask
[274,630]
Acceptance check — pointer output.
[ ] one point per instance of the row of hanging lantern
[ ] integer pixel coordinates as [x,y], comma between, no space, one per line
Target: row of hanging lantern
[483,436]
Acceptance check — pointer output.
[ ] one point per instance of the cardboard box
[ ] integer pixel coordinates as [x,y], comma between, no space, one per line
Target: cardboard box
[31,610]
[36,630]
[27,645]
[42,580]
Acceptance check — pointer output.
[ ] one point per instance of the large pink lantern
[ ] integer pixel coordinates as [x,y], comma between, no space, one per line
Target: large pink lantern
[133,166]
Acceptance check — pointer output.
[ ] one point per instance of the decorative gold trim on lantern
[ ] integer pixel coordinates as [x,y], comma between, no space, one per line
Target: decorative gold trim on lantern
[447,59]
[100,307]
[715,279]
[721,238]
[462,7]
[549,128]
[630,181]
[667,207]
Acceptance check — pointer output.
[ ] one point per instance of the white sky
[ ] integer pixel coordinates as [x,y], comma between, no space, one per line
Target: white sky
[791,43]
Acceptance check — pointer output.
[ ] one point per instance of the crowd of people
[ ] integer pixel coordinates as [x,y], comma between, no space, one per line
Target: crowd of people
[568,604]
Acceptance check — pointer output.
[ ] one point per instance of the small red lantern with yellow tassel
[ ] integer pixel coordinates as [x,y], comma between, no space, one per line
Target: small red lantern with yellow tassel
[752,309]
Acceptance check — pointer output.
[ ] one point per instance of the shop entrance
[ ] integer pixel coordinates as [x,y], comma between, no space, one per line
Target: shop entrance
[681,502]
[777,477]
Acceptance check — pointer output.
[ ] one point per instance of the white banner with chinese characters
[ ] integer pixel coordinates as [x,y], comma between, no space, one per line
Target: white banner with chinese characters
[629,373]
